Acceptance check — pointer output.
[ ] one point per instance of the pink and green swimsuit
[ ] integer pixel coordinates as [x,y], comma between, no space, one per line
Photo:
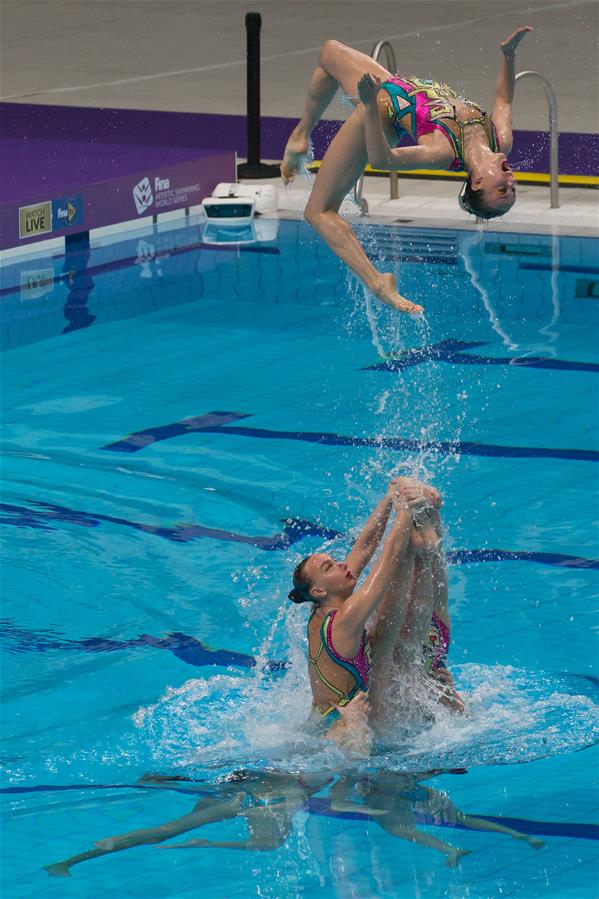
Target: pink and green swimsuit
[358,666]
[431,105]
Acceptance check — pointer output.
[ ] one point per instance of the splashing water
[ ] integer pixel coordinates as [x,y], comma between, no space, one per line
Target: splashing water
[514,716]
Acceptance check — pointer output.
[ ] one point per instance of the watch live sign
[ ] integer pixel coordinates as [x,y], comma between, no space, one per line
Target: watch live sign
[50,215]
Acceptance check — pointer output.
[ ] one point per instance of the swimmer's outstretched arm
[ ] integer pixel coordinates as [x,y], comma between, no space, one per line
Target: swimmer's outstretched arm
[352,617]
[370,536]
[505,87]
[380,154]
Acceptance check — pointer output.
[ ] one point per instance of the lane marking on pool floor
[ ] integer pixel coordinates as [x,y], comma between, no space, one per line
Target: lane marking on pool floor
[214,423]
[451,351]
[39,515]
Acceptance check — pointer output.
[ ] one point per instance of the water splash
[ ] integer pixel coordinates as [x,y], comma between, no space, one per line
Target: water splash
[514,716]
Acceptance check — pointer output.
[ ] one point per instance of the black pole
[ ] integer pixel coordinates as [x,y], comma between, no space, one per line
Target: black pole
[253,168]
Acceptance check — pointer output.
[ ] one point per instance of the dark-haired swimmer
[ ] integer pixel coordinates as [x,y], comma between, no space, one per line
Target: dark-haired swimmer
[347,662]
[451,133]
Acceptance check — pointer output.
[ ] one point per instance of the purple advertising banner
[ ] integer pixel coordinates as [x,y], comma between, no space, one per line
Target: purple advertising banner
[578,152]
[151,189]
[68,169]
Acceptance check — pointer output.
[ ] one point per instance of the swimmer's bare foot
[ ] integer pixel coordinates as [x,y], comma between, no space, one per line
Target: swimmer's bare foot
[535,842]
[386,291]
[297,148]
[60,869]
[454,858]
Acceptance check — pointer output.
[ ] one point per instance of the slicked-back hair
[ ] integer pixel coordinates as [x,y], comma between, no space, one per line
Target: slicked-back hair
[472,201]
[302,584]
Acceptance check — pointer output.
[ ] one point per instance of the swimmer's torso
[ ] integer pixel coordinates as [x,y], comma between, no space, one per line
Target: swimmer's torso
[421,107]
[334,679]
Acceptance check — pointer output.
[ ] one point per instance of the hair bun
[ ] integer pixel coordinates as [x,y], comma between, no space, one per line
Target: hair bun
[296,596]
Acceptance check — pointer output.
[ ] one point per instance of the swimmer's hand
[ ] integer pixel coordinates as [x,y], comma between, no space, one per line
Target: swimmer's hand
[352,732]
[510,44]
[355,712]
[413,492]
[368,88]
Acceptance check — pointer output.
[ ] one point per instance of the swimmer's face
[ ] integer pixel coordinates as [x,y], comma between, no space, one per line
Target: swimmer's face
[496,181]
[329,577]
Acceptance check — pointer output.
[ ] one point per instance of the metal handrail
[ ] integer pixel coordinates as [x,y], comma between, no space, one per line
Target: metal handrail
[553,134]
[380,48]
[385,47]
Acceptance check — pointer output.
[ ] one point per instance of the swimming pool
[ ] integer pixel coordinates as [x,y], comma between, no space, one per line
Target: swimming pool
[183,422]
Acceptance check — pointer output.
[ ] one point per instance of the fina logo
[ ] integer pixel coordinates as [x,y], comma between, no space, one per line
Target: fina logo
[142,192]
[142,195]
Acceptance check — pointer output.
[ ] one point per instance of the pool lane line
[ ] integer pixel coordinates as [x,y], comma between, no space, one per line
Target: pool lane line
[451,351]
[139,440]
[443,447]
[184,647]
[41,515]
[558,560]
[322,806]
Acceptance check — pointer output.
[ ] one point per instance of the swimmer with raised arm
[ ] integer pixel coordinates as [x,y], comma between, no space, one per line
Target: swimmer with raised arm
[451,133]
[347,663]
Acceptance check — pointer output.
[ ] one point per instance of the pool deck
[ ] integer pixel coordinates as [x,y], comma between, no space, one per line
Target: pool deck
[428,203]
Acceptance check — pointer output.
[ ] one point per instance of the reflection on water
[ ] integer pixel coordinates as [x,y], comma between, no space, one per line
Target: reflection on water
[268,801]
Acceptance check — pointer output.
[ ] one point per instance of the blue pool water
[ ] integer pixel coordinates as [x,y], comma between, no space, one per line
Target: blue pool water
[182,423]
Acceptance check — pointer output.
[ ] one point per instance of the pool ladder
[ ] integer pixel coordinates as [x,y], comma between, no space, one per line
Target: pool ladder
[384,48]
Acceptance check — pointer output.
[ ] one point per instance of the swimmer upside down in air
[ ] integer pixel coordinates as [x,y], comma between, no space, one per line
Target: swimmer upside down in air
[352,670]
[451,133]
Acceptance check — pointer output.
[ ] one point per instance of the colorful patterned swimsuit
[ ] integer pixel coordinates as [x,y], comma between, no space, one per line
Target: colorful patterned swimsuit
[359,666]
[431,105]
[434,652]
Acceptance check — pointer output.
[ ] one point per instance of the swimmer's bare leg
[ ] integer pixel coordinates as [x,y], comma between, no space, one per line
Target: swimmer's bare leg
[452,853]
[341,167]
[384,636]
[414,632]
[205,811]
[62,869]
[473,823]
[432,519]
[338,66]
[268,830]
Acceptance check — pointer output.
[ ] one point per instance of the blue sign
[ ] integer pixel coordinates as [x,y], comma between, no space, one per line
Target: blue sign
[67,212]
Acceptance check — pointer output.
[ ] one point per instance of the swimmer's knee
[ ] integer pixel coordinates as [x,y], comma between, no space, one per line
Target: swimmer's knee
[317,217]
[311,215]
[329,50]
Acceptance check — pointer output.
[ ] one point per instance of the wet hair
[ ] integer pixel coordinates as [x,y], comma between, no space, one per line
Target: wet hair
[472,201]
[302,584]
